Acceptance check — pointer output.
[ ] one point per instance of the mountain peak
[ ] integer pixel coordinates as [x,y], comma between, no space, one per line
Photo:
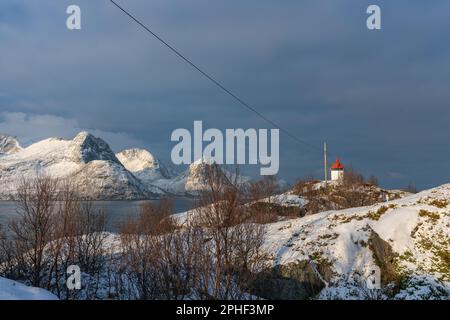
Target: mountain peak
[143,164]
[137,159]
[82,136]
[202,162]
[92,148]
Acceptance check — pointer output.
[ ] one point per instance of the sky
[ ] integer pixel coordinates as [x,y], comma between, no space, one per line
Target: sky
[379,98]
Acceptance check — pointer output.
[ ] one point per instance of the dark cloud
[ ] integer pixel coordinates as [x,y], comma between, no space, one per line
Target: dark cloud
[380,98]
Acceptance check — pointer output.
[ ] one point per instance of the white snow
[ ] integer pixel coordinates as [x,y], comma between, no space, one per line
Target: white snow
[137,159]
[286,199]
[12,290]
[397,228]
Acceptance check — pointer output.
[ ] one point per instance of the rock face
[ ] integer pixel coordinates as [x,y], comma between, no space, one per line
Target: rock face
[87,160]
[90,148]
[9,145]
[298,280]
[384,257]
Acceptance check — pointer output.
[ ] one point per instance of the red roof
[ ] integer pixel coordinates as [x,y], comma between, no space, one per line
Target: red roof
[337,165]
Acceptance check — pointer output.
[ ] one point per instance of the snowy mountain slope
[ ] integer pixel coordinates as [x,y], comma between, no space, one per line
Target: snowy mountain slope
[346,243]
[12,290]
[144,165]
[9,145]
[87,159]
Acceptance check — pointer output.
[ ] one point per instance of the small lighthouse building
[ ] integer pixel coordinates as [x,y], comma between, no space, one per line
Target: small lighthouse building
[337,171]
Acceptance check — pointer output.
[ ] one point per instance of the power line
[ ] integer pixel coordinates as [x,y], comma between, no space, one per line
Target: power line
[213,80]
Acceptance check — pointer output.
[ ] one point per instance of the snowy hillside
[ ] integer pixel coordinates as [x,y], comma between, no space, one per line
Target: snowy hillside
[87,159]
[408,239]
[12,290]
[330,255]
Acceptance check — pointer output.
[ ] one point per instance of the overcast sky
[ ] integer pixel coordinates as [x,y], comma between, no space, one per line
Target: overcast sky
[380,99]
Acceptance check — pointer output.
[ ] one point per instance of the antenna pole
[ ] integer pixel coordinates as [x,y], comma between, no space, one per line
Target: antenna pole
[325,166]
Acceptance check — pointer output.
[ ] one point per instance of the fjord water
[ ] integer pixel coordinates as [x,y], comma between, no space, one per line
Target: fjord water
[115,211]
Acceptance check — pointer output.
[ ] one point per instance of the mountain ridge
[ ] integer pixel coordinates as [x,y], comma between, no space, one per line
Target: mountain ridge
[98,172]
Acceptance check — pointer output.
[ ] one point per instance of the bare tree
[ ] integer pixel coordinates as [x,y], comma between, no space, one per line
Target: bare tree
[264,188]
[353,178]
[153,254]
[54,229]
[34,228]
[231,250]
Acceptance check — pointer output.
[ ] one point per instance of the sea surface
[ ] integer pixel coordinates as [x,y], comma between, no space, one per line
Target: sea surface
[115,211]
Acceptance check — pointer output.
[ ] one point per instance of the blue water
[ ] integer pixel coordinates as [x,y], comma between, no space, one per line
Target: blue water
[115,211]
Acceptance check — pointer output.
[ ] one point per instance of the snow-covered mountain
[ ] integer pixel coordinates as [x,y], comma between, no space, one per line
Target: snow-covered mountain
[194,180]
[189,183]
[154,174]
[99,173]
[9,145]
[88,160]
[144,165]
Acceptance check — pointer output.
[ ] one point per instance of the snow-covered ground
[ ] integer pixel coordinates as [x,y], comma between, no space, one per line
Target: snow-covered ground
[12,290]
[286,200]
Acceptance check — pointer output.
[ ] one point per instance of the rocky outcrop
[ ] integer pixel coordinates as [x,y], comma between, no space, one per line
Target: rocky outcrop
[89,148]
[384,257]
[293,281]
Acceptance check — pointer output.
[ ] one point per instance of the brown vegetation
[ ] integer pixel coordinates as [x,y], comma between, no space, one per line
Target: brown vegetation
[355,191]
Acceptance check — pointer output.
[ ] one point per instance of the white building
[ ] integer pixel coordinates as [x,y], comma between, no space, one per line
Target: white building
[337,171]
